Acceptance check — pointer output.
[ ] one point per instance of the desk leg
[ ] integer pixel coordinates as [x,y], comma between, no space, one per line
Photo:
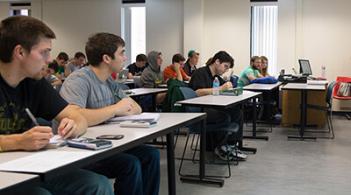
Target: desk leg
[201,178]
[303,116]
[254,136]
[170,164]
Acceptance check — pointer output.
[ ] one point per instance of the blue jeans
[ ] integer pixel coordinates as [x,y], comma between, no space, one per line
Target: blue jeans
[77,182]
[137,171]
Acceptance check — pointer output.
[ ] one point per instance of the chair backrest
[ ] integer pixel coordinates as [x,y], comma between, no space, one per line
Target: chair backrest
[123,86]
[189,93]
[329,95]
[137,82]
[234,80]
[339,80]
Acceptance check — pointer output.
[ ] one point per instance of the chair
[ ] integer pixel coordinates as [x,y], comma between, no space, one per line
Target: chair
[328,109]
[194,129]
[336,89]
[137,82]
[234,80]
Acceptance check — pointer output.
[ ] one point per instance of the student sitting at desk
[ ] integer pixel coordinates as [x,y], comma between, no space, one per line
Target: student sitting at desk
[138,66]
[251,73]
[152,75]
[191,62]
[201,81]
[76,63]
[175,70]
[264,66]
[59,65]
[25,45]
[99,98]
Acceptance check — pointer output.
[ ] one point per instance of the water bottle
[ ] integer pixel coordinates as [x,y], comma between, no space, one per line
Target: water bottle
[323,72]
[215,86]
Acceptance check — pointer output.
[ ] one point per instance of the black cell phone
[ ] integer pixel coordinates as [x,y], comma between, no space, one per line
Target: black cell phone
[114,137]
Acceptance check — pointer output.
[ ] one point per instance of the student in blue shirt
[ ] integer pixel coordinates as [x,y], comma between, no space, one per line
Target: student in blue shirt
[92,91]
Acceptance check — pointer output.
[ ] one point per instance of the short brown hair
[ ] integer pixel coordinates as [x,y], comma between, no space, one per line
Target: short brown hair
[21,30]
[253,59]
[141,58]
[222,56]
[177,58]
[102,44]
[79,55]
[62,56]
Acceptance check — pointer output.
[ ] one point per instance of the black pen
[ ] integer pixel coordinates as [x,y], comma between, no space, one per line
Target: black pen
[31,116]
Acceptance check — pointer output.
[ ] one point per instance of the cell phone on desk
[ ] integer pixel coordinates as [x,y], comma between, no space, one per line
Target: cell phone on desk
[89,143]
[113,137]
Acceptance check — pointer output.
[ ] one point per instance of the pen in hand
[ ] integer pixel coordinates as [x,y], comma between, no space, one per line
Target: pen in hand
[31,116]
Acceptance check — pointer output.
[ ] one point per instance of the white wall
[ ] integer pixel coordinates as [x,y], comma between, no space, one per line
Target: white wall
[286,56]
[74,21]
[4,10]
[317,30]
[326,36]
[227,27]
[164,28]
[193,27]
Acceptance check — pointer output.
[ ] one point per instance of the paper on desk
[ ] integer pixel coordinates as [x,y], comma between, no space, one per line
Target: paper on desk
[317,82]
[145,116]
[44,161]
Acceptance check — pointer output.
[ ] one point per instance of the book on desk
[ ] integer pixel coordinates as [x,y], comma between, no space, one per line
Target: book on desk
[143,120]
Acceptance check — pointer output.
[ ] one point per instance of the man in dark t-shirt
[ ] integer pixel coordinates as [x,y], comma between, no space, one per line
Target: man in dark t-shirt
[138,66]
[202,82]
[25,45]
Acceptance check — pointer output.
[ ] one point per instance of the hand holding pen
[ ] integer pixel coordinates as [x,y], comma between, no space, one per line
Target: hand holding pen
[36,137]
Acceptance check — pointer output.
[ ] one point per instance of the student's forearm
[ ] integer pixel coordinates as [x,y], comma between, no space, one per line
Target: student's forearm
[203,92]
[179,75]
[97,116]
[10,142]
[136,108]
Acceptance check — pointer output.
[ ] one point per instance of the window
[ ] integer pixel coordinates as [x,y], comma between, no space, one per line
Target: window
[264,25]
[134,30]
[20,9]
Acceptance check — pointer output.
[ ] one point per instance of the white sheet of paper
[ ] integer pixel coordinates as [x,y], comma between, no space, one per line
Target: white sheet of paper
[44,161]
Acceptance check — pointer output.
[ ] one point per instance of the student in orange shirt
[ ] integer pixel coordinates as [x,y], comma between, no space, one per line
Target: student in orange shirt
[175,70]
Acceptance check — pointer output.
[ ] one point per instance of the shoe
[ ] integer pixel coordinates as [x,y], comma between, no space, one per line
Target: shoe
[238,154]
[223,152]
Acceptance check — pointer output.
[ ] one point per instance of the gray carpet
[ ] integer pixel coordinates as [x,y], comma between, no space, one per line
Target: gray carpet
[280,166]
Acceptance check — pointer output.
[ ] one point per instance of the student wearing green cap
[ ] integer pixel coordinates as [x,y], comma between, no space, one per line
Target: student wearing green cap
[190,64]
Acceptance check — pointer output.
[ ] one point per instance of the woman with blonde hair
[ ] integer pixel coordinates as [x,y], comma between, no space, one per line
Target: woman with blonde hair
[264,66]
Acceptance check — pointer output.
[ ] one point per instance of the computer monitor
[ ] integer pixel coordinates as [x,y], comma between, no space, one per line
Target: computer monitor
[305,67]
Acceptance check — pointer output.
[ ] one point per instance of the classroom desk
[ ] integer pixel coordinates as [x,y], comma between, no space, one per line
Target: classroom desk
[266,89]
[167,124]
[303,88]
[10,181]
[217,102]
